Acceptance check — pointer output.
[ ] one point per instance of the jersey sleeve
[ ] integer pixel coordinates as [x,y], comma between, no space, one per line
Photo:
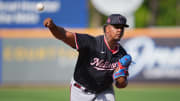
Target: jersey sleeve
[84,41]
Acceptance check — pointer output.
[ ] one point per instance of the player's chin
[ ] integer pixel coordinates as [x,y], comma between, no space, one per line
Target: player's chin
[117,38]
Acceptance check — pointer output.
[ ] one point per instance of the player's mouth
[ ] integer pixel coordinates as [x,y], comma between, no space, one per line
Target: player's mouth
[118,35]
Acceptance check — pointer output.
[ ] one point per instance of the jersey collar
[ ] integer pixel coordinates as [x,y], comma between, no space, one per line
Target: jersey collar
[113,51]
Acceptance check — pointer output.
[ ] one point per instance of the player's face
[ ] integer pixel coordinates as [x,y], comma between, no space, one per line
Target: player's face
[116,32]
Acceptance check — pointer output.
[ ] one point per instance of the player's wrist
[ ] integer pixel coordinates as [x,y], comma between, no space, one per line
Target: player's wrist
[119,73]
[121,82]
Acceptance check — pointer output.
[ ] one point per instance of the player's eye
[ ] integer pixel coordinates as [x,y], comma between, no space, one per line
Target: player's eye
[118,27]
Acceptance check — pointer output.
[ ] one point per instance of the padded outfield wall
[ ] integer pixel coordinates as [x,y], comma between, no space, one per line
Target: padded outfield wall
[34,56]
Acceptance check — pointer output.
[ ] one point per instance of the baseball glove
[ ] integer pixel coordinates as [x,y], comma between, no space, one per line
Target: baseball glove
[122,68]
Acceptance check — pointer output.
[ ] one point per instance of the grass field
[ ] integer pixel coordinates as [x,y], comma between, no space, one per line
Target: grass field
[132,93]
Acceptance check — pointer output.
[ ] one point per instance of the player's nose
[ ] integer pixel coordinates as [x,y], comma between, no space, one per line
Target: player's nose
[119,29]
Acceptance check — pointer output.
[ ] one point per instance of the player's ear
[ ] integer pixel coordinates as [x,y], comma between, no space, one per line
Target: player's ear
[104,28]
[107,28]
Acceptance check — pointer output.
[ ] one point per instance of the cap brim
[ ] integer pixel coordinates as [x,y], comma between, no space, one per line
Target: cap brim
[117,25]
[122,25]
[126,25]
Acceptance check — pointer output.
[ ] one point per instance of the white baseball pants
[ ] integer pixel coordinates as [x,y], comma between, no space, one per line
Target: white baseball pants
[78,94]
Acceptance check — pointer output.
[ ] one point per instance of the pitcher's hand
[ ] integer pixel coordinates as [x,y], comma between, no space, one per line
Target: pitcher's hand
[48,22]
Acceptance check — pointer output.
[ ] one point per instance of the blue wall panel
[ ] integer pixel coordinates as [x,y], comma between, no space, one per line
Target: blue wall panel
[23,13]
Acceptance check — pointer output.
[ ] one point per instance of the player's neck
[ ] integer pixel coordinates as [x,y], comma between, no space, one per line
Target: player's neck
[111,43]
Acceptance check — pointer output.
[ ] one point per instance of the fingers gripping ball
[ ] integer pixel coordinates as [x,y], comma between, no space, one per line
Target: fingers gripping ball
[122,68]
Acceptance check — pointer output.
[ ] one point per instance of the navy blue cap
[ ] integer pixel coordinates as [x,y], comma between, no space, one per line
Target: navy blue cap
[117,19]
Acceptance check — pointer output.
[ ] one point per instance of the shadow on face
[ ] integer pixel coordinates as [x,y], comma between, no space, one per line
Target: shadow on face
[114,32]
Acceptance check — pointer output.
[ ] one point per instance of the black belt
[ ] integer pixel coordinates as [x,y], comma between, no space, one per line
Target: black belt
[84,89]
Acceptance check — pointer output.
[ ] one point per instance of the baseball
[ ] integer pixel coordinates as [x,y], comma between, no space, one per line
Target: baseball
[40,6]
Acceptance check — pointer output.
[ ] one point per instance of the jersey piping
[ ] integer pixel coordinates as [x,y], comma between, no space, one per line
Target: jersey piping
[113,51]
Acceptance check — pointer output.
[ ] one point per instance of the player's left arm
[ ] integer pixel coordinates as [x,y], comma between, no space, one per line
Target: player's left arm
[121,72]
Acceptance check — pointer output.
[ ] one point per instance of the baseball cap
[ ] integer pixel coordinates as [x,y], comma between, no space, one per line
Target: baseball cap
[116,19]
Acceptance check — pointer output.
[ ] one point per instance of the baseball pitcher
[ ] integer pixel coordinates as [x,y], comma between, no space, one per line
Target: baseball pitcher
[102,61]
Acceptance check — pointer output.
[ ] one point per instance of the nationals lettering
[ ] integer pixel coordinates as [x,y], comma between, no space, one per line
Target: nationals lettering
[101,64]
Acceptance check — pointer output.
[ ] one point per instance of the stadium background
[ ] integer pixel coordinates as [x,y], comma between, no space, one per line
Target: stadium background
[36,66]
